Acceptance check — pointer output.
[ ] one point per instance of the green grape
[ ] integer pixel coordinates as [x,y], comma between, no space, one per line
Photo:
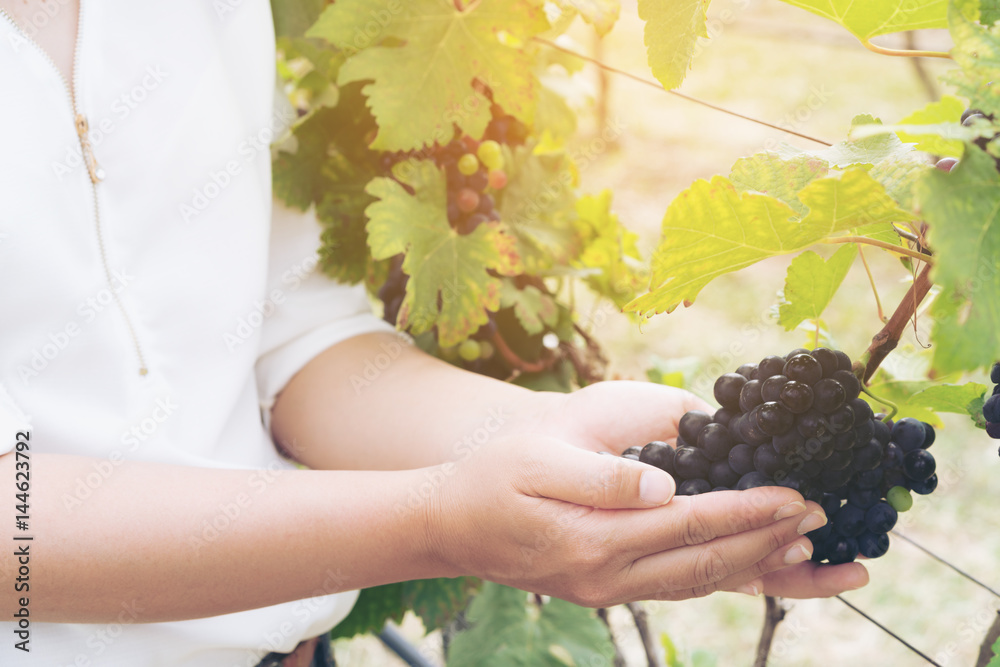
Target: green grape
[486,349]
[469,350]
[900,499]
[468,164]
[449,353]
[490,155]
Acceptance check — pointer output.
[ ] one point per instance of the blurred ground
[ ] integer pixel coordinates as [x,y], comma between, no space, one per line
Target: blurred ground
[783,65]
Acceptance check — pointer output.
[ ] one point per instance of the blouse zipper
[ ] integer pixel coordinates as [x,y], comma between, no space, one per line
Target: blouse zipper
[94,170]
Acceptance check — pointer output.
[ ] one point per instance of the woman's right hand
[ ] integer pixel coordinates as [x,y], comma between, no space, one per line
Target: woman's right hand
[542,515]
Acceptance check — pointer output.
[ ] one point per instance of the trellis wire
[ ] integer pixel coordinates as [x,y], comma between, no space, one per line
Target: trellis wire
[656,85]
[945,562]
[892,634]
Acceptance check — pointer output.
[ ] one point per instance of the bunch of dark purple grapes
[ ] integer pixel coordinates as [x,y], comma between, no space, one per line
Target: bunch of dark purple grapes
[991,408]
[797,421]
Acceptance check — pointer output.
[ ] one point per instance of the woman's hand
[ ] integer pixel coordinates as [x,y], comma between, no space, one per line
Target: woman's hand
[545,516]
[612,416]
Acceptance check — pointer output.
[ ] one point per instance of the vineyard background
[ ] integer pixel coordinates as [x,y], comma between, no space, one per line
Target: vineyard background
[780,64]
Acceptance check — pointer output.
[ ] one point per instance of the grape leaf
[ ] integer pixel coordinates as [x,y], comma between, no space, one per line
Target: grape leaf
[977,53]
[899,392]
[811,283]
[879,17]
[538,205]
[504,633]
[995,660]
[711,229]
[771,174]
[963,399]
[343,254]
[962,209]
[533,309]
[989,12]
[671,35]
[450,285]
[865,149]
[610,248]
[602,14]
[422,58]
[946,110]
[899,176]
[436,601]
[293,17]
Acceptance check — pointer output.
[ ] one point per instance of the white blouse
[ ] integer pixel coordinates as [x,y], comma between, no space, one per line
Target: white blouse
[153,302]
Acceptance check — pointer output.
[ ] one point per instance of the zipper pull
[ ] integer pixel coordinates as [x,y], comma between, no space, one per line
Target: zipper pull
[83,130]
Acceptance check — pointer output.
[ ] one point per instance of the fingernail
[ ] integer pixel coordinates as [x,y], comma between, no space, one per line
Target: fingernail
[797,554]
[791,509]
[655,487]
[748,589]
[812,522]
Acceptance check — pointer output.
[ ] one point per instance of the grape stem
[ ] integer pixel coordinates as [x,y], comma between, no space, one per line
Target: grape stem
[774,614]
[986,649]
[515,361]
[871,280]
[642,625]
[880,244]
[885,341]
[883,401]
[619,660]
[885,51]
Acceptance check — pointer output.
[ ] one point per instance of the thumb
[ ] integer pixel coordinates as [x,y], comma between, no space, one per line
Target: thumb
[563,472]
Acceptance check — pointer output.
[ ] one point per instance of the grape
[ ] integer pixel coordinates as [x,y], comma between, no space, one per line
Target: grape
[741,459]
[750,433]
[863,431]
[490,155]
[478,181]
[946,164]
[850,382]
[827,358]
[909,434]
[829,395]
[691,425]
[862,411]
[925,487]
[486,349]
[804,368]
[843,361]
[497,179]
[724,416]
[893,457]
[880,517]
[882,431]
[797,351]
[868,457]
[473,221]
[766,460]
[752,480]
[993,430]
[469,350]
[830,504]
[849,520]
[467,200]
[693,487]
[995,373]
[869,479]
[747,370]
[833,480]
[659,454]
[789,442]
[841,419]
[691,463]
[750,396]
[796,396]
[769,367]
[727,390]
[847,440]
[991,409]
[929,436]
[632,451]
[774,419]
[839,460]
[899,498]
[468,164]
[721,474]
[715,441]
[873,545]
[770,389]
[919,465]
[811,424]
[844,550]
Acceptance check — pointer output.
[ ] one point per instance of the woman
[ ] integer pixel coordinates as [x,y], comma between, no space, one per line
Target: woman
[164,327]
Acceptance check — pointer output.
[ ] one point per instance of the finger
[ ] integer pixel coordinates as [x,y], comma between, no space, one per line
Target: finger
[812,580]
[726,562]
[694,520]
[554,469]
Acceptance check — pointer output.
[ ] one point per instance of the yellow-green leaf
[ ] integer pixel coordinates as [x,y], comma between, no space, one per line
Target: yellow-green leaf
[879,17]
[672,31]
[711,229]
[946,110]
[423,58]
[602,14]
[444,267]
[778,176]
[811,283]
